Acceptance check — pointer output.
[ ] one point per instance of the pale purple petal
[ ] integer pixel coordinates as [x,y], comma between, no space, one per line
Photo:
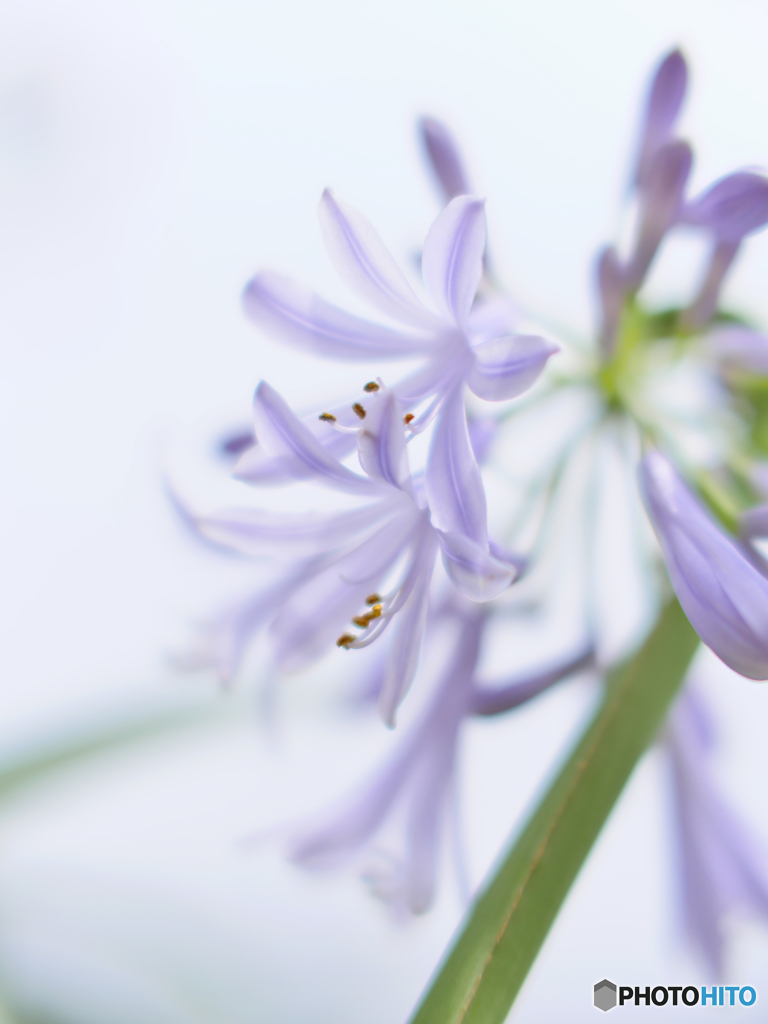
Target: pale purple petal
[309,623]
[478,574]
[282,435]
[492,317]
[506,367]
[665,99]
[293,535]
[444,158]
[454,485]
[732,208]
[759,477]
[495,699]
[452,261]
[661,201]
[381,441]
[722,593]
[740,348]
[406,646]
[296,315]
[612,288]
[367,266]
[482,433]
[754,522]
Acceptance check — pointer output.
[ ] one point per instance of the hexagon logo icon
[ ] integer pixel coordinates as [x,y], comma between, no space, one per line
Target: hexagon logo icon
[605,995]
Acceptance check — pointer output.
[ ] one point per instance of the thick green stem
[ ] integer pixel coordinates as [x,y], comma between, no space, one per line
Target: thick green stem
[501,937]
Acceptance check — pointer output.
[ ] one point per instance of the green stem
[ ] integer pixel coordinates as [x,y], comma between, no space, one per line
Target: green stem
[506,927]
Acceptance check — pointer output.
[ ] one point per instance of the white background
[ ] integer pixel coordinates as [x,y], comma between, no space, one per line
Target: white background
[152,157]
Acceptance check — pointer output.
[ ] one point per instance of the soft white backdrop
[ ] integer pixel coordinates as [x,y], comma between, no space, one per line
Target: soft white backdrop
[153,155]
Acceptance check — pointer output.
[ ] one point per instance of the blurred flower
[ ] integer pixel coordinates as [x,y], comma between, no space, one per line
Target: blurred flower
[722,592]
[723,869]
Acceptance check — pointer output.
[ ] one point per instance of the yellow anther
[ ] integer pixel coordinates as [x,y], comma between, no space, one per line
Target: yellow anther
[358,410]
[371,386]
[345,640]
[372,599]
[327,417]
[363,621]
[407,418]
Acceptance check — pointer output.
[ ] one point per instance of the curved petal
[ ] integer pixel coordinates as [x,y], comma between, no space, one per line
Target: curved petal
[444,158]
[282,434]
[754,522]
[474,570]
[506,367]
[381,441]
[365,263]
[722,593]
[665,99]
[454,485]
[491,318]
[733,207]
[452,261]
[296,315]
[255,531]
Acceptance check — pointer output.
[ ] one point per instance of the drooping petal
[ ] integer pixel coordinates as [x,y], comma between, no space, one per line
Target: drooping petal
[499,698]
[733,207]
[256,531]
[381,441]
[454,485]
[722,593]
[452,261]
[282,434]
[478,574]
[506,367]
[365,263]
[444,158]
[665,99]
[294,314]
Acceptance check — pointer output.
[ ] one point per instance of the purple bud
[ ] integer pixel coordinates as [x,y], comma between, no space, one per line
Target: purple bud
[664,102]
[735,206]
[705,303]
[722,593]
[740,348]
[611,290]
[444,158]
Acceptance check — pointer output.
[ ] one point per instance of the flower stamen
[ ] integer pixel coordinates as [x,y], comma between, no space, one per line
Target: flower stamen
[358,410]
[345,640]
[372,386]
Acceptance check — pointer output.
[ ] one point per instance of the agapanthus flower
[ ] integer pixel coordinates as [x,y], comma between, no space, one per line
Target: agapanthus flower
[338,562]
[457,340]
[722,592]
[723,869]
[418,779]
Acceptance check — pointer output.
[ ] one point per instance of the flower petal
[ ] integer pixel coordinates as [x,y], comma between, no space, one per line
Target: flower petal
[454,485]
[492,318]
[381,441]
[740,348]
[282,434]
[452,261]
[474,570]
[665,99]
[733,207]
[362,259]
[256,531]
[294,314]
[722,593]
[611,287]
[506,367]
[444,158]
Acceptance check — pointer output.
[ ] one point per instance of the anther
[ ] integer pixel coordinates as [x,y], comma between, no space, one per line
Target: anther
[345,640]
[365,620]
[372,599]
[371,386]
[358,410]
[327,417]
[408,417]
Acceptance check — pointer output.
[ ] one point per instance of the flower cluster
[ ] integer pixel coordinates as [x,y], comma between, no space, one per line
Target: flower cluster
[345,578]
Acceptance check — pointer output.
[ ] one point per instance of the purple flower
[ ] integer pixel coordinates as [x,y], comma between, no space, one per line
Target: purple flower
[418,779]
[740,348]
[458,342]
[734,207]
[339,561]
[722,868]
[722,592]
[665,98]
